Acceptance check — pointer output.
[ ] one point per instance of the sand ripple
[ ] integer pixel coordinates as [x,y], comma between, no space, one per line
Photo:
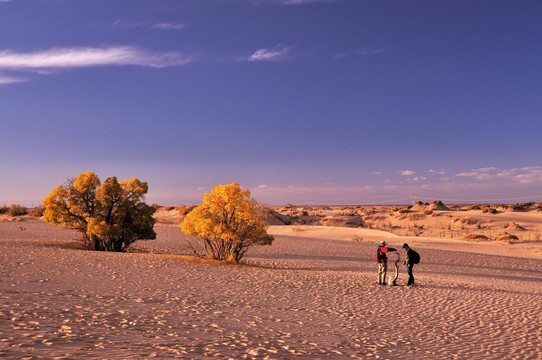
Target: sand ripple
[300,298]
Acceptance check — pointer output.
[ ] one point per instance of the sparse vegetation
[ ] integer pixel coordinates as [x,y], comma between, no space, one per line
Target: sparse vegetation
[17,210]
[475,237]
[488,209]
[184,210]
[37,212]
[507,238]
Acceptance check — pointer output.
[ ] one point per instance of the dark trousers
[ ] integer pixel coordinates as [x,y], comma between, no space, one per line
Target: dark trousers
[409,272]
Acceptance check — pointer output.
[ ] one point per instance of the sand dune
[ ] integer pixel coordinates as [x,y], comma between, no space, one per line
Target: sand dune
[305,296]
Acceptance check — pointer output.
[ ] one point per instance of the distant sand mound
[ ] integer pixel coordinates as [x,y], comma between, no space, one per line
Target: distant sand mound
[437,205]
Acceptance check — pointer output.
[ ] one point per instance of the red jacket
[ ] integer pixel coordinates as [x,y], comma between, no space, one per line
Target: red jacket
[381,254]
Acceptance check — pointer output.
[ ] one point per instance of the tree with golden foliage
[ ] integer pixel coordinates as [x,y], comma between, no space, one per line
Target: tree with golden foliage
[228,222]
[110,216]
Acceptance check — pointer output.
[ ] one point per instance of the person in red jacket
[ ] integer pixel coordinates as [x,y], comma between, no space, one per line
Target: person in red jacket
[382,261]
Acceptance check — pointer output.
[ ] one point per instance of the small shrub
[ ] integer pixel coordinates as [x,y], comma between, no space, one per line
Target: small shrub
[474,237]
[469,221]
[17,210]
[520,207]
[488,209]
[184,210]
[508,238]
[3,209]
[37,212]
[357,238]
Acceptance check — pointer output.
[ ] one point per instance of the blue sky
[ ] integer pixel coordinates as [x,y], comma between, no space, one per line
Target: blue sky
[300,101]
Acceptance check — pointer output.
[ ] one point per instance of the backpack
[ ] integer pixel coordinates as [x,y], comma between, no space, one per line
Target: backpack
[414,257]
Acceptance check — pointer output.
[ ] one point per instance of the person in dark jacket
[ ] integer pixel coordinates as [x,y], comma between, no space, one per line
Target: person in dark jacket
[382,261]
[409,264]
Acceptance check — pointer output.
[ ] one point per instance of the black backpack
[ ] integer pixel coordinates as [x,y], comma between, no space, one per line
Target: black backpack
[413,256]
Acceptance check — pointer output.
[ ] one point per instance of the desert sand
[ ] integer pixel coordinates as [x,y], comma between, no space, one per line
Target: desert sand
[312,294]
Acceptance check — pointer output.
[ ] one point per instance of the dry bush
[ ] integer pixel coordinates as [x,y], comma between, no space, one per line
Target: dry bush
[17,210]
[514,226]
[427,211]
[475,237]
[414,217]
[357,238]
[184,210]
[488,209]
[469,221]
[507,238]
[3,209]
[37,212]
[521,206]
[373,218]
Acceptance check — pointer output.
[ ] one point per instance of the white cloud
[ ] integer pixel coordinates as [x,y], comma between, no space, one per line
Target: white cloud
[525,175]
[58,58]
[123,24]
[377,173]
[481,174]
[366,51]
[437,172]
[263,186]
[301,2]
[418,179]
[277,53]
[168,26]
[408,173]
[4,80]
[289,2]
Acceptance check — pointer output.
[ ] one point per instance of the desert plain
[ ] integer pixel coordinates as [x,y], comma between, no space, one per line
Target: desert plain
[312,294]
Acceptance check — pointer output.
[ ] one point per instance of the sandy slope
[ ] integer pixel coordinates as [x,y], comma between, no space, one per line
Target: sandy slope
[304,297]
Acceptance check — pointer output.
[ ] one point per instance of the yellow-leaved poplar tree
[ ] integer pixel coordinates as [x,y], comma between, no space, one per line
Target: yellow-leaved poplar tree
[228,222]
[110,216]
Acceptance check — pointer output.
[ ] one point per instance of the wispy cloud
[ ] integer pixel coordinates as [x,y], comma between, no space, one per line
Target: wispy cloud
[363,52]
[169,26]
[525,175]
[58,58]
[417,179]
[407,173]
[480,174]
[5,80]
[302,2]
[126,24]
[366,51]
[275,54]
[291,2]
